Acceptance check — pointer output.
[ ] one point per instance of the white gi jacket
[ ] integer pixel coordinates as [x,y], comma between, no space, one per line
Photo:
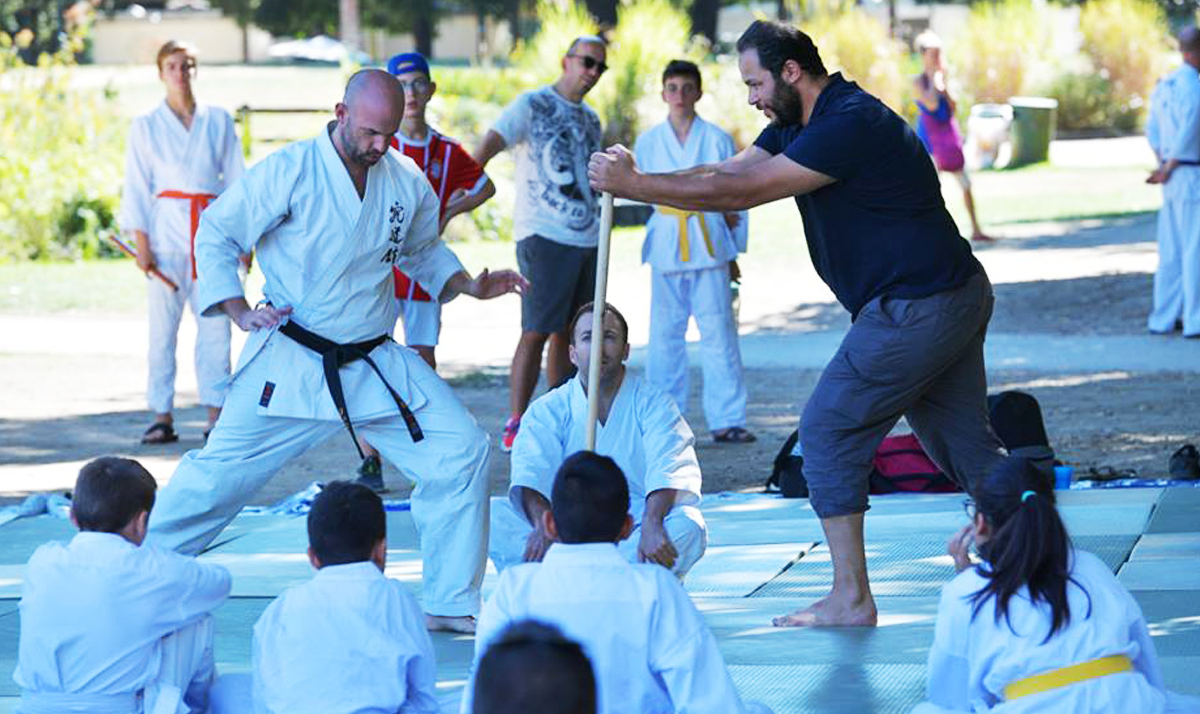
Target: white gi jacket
[645,434]
[328,255]
[94,612]
[973,659]
[349,641]
[162,155]
[1173,130]
[650,649]
[658,151]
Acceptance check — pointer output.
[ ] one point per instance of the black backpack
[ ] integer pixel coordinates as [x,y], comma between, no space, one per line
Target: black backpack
[787,475]
[1017,420]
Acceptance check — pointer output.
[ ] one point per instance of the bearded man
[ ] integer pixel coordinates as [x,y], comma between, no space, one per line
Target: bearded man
[879,235]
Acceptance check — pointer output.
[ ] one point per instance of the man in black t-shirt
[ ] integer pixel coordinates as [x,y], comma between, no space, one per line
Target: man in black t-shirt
[879,235]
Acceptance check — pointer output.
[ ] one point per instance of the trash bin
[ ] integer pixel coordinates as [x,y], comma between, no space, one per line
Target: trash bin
[988,139]
[1032,129]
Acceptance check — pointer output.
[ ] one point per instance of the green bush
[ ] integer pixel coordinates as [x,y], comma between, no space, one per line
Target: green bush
[61,155]
[561,21]
[1087,101]
[996,55]
[858,45]
[1126,42]
[648,35]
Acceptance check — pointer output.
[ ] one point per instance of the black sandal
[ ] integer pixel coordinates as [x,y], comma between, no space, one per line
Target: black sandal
[733,435]
[160,433]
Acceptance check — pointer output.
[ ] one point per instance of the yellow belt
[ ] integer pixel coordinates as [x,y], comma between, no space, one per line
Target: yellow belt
[1054,679]
[685,248]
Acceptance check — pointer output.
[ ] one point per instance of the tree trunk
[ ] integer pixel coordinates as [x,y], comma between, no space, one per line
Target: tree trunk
[704,18]
[423,34]
[348,25]
[605,11]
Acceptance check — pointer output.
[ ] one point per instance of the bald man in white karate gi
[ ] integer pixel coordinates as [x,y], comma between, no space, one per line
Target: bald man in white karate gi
[329,218]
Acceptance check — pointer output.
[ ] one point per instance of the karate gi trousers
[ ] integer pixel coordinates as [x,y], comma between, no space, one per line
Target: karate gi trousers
[674,297]
[212,338]
[684,525]
[449,468]
[1177,280]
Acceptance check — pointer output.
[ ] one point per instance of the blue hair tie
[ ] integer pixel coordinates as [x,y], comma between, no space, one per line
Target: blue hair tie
[1027,495]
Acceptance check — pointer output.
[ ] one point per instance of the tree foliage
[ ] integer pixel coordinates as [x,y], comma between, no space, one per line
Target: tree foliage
[60,154]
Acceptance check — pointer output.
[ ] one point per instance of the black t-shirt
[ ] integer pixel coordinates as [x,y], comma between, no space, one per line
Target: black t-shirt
[881,229]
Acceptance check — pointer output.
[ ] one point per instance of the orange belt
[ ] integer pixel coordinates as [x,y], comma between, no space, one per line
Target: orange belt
[199,201]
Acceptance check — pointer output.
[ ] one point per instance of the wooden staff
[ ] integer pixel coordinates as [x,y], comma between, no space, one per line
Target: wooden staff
[127,250]
[598,302]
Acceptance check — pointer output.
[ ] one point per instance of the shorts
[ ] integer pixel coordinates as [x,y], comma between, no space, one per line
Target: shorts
[562,278]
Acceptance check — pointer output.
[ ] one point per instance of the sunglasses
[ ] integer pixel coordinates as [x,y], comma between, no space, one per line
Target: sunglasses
[590,63]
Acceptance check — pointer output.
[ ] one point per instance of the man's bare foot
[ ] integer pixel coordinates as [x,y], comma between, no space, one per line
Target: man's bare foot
[463,625]
[982,237]
[831,612]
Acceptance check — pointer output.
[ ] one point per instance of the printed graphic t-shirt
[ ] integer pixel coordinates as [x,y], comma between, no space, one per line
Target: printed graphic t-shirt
[552,139]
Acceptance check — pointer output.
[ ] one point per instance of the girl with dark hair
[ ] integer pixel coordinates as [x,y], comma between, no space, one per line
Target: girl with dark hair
[1037,626]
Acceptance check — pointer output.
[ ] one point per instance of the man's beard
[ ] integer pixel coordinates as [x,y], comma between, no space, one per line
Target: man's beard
[785,104]
[358,156]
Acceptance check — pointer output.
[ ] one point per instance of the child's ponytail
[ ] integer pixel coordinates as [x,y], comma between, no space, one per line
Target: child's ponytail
[1029,545]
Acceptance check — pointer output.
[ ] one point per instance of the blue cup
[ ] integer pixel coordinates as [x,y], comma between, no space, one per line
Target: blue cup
[1062,477]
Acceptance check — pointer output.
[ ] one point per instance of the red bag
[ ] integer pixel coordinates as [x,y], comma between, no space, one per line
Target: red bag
[902,466]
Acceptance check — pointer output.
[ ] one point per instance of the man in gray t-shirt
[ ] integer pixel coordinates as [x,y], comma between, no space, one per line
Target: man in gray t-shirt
[556,220]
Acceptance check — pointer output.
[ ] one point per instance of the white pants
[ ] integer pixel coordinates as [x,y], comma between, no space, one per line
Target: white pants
[181,685]
[422,322]
[449,468]
[684,524]
[705,294]
[212,338]
[1177,280]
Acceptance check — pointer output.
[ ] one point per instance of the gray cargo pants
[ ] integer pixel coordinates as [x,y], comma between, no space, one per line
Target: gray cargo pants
[921,359]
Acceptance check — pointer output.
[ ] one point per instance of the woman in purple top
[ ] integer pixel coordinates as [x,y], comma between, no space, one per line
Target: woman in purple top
[936,126]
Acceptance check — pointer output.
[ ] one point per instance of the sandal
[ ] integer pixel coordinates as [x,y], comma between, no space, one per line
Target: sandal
[733,435]
[160,433]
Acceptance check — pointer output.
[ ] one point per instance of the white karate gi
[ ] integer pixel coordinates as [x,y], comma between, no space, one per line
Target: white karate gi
[973,659]
[163,155]
[695,284]
[349,641]
[103,619]
[650,649]
[647,437]
[329,255]
[1173,129]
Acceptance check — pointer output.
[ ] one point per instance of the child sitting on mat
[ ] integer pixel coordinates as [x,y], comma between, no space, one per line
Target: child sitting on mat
[109,625]
[1037,626]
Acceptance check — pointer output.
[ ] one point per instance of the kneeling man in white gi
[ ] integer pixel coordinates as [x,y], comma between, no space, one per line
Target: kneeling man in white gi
[639,427]
[349,640]
[111,626]
[648,644]
[329,219]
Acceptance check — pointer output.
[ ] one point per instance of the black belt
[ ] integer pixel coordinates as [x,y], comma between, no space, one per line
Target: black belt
[333,358]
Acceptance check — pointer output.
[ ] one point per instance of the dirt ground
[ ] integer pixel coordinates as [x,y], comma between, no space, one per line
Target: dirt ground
[1089,281]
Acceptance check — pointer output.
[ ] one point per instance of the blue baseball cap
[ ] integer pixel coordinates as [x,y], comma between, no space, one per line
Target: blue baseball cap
[408,62]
